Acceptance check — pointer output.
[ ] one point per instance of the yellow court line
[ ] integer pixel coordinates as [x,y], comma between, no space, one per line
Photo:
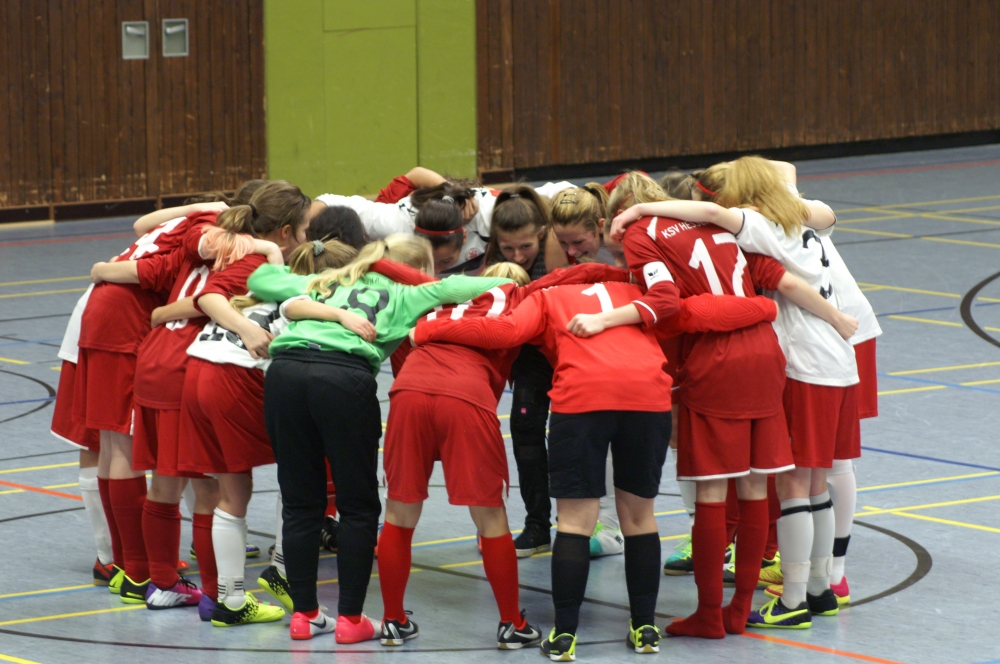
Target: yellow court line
[893,510]
[965,242]
[888,217]
[876,208]
[913,389]
[931,481]
[948,368]
[44,292]
[16,660]
[12,361]
[885,233]
[949,522]
[908,290]
[947,216]
[60,616]
[54,465]
[981,382]
[28,593]
[972,209]
[56,368]
[61,486]
[927,320]
[43,281]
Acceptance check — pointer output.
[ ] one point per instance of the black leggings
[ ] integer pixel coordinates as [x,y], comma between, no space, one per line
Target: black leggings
[320,405]
[529,413]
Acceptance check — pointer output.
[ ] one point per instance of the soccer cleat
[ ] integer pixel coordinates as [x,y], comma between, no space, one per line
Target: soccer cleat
[103,573]
[205,607]
[182,567]
[680,562]
[775,614]
[509,637]
[823,604]
[252,611]
[606,542]
[395,632]
[535,538]
[842,591]
[132,592]
[730,555]
[303,628]
[770,576]
[560,648]
[276,586]
[644,639]
[182,593]
[328,537]
[115,584]
[729,576]
[365,630]
[252,552]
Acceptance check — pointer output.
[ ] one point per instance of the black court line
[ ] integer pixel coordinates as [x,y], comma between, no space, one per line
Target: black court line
[11,320]
[29,456]
[966,309]
[923,568]
[46,404]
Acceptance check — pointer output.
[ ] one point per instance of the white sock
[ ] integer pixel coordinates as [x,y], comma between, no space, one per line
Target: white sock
[795,538]
[229,537]
[188,496]
[278,558]
[95,512]
[689,492]
[609,511]
[822,546]
[844,492]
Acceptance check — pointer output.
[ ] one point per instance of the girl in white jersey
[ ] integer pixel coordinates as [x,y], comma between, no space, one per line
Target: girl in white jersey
[821,391]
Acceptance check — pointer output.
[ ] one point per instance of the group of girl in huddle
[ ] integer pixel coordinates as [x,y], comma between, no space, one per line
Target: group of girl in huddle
[239,333]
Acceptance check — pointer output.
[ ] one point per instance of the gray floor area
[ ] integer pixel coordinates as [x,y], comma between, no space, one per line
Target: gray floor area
[919,231]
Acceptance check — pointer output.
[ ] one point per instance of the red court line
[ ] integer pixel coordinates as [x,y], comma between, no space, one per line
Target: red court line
[69,239]
[829,651]
[25,487]
[889,171]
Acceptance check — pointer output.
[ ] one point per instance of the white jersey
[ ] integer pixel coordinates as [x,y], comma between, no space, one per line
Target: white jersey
[217,344]
[70,348]
[814,352]
[383,219]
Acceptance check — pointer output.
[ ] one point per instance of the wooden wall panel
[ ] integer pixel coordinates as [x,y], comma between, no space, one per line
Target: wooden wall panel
[80,124]
[587,81]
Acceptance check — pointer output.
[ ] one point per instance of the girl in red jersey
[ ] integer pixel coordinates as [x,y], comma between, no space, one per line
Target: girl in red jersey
[277,209]
[113,324]
[577,232]
[820,399]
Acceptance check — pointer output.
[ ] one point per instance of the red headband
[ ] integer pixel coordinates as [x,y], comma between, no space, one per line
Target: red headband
[424,231]
[705,189]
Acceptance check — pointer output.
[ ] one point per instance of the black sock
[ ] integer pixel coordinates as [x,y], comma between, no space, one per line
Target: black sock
[570,568]
[642,576]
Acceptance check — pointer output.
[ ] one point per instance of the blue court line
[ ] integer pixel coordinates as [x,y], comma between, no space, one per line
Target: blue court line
[11,403]
[36,341]
[924,311]
[937,382]
[930,458]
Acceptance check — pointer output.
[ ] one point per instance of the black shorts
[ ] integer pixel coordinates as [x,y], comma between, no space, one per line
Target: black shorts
[578,452]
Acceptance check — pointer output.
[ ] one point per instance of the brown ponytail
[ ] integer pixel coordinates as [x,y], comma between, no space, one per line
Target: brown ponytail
[516,209]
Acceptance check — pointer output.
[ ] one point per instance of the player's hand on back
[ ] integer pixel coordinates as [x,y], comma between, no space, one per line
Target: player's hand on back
[586,325]
[95,273]
[256,340]
[213,206]
[413,337]
[359,325]
[623,221]
[846,326]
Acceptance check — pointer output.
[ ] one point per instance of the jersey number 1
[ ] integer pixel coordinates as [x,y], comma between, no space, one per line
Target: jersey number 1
[603,297]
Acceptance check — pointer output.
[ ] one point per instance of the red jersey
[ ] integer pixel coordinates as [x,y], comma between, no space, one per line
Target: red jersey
[162,358]
[117,315]
[620,369]
[738,374]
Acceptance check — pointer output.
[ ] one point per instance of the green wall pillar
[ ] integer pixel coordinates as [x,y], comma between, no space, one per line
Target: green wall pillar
[358,92]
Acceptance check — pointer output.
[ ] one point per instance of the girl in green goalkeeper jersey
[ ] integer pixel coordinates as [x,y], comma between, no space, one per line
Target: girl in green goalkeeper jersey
[320,400]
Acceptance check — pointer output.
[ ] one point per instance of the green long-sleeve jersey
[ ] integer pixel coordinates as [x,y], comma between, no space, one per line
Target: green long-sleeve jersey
[392,308]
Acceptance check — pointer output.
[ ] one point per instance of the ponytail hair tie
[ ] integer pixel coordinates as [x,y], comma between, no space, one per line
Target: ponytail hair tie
[704,189]
[515,195]
[447,199]
[253,210]
[318,247]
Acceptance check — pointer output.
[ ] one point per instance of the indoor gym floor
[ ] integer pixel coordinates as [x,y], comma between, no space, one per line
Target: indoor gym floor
[921,233]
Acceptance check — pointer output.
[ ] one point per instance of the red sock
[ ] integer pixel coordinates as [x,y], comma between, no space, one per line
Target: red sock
[773,514]
[732,511]
[109,514]
[708,550]
[356,620]
[752,536]
[500,564]
[127,499]
[161,528]
[394,569]
[312,615]
[202,540]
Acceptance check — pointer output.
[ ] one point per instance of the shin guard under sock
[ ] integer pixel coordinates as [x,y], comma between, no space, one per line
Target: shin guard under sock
[201,537]
[642,577]
[500,565]
[752,536]
[91,494]
[394,569]
[104,489]
[161,528]
[795,537]
[570,569]
[821,556]
[708,551]
[773,514]
[127,499]
[229,538]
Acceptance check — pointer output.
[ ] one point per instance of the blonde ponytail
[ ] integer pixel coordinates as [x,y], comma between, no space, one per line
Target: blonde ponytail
[400,247]
[754,181]
[508,270]
[634,188]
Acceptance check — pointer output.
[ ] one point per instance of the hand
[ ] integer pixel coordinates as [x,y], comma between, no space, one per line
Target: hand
[215,206]
[157,318]
[95,273]
[846,326]
[623,221]
[359,325]
[274,255]
[586,325]
[256,340]
[470,209]
[413,337]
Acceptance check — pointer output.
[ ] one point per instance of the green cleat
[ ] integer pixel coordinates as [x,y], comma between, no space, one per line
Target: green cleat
[645,639]
[132,592]
[252,611]
[776,614]
[680,563]
[276,586]
[560,648]
[115,584]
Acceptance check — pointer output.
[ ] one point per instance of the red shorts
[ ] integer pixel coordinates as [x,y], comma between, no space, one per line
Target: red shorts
[103,390]
[222,419]
[823,423]
[155,443]
[63,424]
[397,190]
[711,448]
[424,428]
[864,353]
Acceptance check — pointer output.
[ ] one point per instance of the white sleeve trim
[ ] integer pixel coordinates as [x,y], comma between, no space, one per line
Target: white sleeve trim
[648,308]
[655,272]
[281,307]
